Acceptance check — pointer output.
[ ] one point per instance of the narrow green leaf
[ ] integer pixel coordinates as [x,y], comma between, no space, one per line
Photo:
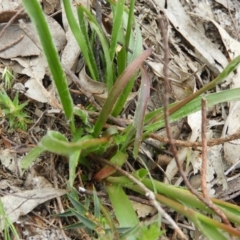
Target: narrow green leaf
[75,226]
[36,14]
[6,224]
[67,213]
[94,25]
[211,232]
[31,157]
[221,77]
[122,206]
[82,42]
[117,24]
[127,233]
[130,22]
[56,143]
[83,26]
[191,107]
[73,162]
[96,201]
[85,220]
[187,200]
[179,194]
[77,205]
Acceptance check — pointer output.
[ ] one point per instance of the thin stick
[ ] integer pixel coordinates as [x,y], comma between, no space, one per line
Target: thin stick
[210,143]
[204,150]
[12,43]
[167,123]
[11,21]
[83,190]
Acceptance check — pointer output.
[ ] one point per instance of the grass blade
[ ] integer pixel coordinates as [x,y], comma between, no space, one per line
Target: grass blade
[130,21]
[82,42]
[117,20]
[36,14]
[55,142]
[191,107]
[31,156]
[109,76]
[73,162]
[122,206]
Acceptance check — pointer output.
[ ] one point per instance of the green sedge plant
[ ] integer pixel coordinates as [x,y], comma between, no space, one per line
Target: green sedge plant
[119,79]
[13,112]
[6,224]
[8,78]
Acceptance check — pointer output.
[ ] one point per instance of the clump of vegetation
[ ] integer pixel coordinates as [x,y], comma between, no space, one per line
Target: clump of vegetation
[12,110]
[85,147]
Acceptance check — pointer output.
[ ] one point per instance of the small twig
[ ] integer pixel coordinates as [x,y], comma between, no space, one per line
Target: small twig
[232,168]
[148,193]
[167,121]
[45,220]
[210,143]
[231,196]
[37,122]
[122,122]
[128,49]
[102,194]
[12,43]
[204,150]
[11,21]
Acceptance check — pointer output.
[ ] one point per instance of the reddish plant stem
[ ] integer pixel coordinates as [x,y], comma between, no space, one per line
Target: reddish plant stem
[167,122]
[210,143]
[18,13]
[204,150]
